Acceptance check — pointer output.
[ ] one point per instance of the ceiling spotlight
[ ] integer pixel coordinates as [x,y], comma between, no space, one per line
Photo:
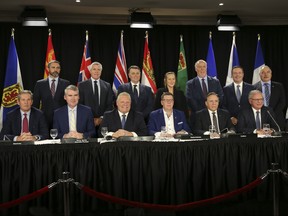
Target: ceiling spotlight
[141,20]
[34,16]
[228,22]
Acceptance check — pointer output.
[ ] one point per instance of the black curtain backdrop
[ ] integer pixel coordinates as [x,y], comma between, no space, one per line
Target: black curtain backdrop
[68,41]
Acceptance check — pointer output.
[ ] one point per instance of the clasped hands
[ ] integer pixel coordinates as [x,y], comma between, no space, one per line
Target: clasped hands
[121,132]
[26,137]
[73,134]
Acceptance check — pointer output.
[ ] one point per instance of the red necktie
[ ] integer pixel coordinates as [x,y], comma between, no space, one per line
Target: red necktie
[25,127]
[53,87]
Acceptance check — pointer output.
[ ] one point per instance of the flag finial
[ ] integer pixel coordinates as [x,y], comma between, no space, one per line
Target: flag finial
[210,35]
[49,31]
[258,36]
[146,34]
[122,32]
[87,33]
[181,37]
[12,32]
[234,34]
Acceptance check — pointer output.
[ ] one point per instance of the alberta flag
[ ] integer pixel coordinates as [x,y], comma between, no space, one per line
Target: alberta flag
[259,62]
[233,61]
[84,73]
[211,64]
[182,76]
[120,74]
[13,82]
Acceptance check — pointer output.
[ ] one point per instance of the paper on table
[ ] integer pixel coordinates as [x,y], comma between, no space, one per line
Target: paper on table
[48,141]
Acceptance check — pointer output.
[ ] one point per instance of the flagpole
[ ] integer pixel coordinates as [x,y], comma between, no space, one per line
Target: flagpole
[12,32]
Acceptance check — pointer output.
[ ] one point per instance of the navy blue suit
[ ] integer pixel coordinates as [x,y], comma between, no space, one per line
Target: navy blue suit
[134,122]
[13,124]
[42,95]
[156,120]
[84,122]
[247,122]
[203,121]
[145,101]
[230,101]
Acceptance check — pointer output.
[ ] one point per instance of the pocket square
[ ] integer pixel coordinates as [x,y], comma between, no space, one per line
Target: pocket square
[180,123]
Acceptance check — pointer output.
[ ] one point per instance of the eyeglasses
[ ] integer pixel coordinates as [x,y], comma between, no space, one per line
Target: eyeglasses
[168,100]
[257,99]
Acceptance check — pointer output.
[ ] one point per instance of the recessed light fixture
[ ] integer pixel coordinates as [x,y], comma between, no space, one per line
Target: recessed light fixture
[221,4]
[78,1]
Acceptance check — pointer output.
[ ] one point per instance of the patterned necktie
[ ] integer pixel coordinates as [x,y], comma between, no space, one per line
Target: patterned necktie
[258,125]
[96,93]
[267,93]
[215,122]
[204,88]
[238,93]
[72,121]
[53,88]
[25,127]
[135,92]
[123,120]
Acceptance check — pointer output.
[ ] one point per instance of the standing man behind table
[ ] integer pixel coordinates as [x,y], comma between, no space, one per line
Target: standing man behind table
[96,93]
[141,95]
[25,123]
[124,121]
[174,120]
[74,120]
[49,92]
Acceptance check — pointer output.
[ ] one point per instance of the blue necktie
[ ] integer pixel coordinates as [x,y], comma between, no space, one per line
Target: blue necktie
[258,125]
[204,88]
[267,93]
[238,93]
[123,120]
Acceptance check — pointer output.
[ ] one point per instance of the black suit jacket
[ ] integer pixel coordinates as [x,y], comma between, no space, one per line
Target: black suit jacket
[230,101]
[277,100]
[87,97]
[203,121]
[134,122]
[145,101]
[247,123]
[13,124]
[42,95]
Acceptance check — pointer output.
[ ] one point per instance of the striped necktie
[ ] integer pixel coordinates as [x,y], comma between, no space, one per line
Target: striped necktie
[72,120]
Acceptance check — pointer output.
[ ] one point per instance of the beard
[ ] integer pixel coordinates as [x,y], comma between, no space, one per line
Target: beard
[54,74]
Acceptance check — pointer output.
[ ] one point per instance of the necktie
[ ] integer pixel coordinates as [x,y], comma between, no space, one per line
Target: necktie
[25,127]
[135,91]
[258,120]
[123,120]
[96,93]
[204,88]
[215,122]
[53,87]
[72,121]
[267,93]
[238,93]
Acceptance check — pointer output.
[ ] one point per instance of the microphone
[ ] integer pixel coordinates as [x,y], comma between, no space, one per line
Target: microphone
[276,133]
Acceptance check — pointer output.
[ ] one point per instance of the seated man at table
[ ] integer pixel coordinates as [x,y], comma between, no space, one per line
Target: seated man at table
[124,121]
[74,120]
[250,120]
[212,115]
[25,123]
[173,120]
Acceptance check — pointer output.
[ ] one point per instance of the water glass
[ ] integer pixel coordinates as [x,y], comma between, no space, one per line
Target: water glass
[212,131]
[104,131]
[163,132]
[53,133]
[266,129]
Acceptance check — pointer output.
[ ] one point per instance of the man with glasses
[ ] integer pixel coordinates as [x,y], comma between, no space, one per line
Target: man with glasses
[251,120]
[173,120]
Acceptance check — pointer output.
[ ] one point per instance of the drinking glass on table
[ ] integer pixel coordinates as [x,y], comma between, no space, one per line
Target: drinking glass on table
[53,133]
[104,131]
[266,129]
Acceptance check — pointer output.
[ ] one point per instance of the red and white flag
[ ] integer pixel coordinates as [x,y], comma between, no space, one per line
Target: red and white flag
[84,73]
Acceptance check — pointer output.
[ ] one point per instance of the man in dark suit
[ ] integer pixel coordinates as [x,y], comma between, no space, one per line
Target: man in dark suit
[251,120]
[236,94]
[124,121]
[49,92]
[174,120]
[96,93]
[274,94]
[74,120]
[141,95]
[25,123]
[212,115]
[198,88]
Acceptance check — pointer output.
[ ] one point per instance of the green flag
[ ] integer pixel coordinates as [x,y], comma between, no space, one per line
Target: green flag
[182,68]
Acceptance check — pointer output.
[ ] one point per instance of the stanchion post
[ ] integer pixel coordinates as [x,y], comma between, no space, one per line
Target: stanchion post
[66,192]
[275,176]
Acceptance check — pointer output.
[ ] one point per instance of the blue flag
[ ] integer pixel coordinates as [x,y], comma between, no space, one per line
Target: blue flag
[12,84]
[233,60]
[211,64]
[259,62]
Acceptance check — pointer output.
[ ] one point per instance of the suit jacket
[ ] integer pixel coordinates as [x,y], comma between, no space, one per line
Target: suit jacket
[42,95]
[277,100]
[156,120]
[145,100]
[84,122]
[13,124]
[195,98]
[247,122]
[230,101]
[203,121]
[134,122]
[179,100]
[87,97]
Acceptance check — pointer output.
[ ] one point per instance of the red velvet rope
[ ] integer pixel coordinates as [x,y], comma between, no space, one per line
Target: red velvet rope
[24,198]
[190,205]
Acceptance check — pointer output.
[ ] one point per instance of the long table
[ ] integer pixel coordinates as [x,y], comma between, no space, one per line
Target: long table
[151,172]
